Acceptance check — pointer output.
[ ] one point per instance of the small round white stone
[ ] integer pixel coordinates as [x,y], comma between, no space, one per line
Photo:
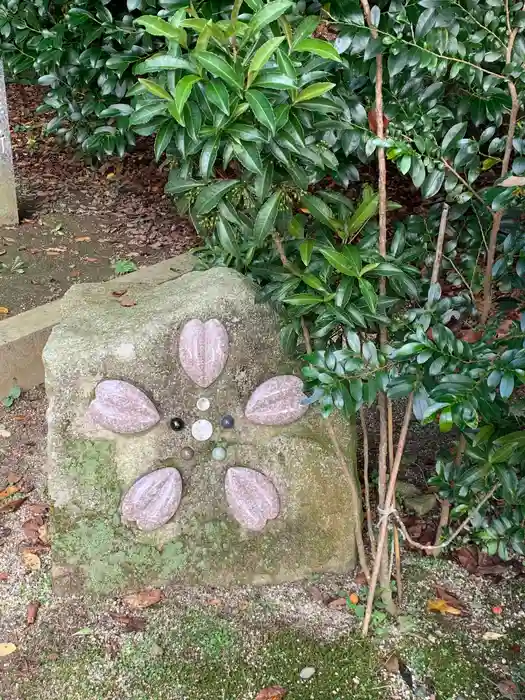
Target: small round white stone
[202,430]
[203,404]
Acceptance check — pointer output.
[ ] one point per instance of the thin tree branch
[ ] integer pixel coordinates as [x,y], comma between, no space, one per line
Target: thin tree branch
[467,185]
[456,533]
[383,422]
[498,216]
[383,529]
[366,462]
[439,244]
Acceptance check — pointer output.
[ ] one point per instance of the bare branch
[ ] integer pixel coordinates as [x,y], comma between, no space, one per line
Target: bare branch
[366,461]
[439,244]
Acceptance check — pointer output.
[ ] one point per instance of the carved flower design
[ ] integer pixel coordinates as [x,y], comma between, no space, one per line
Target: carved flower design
[154,498]
[252,497]
[203,350]
[122,408]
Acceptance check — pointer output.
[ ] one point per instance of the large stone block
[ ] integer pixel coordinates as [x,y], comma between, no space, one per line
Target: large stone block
[179,449]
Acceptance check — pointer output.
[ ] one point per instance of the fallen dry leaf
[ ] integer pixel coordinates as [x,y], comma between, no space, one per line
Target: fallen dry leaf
[91,260]
[360,579]
[316,594]
[38,508]
[13,478]
[508,689]
[12,505]
[354,598]
[43,534]
[449,598]
[338,604]
[118,292]
[439,605]
[144,599]
[392,664]
[127,301]
[513,181]
[30,560]
[19,418]
[274,692]
[32,612]
[31,527]
[3,577]
[4,310]
[7,648]
[82,239]
[492,636]
[9,491]
[129,622]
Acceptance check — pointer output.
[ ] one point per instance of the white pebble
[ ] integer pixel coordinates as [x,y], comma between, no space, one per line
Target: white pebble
[203,404]
[307,673]
[202,430]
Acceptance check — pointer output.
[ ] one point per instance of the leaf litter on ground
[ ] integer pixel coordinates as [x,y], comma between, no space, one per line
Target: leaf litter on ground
[274,692]
[143,599]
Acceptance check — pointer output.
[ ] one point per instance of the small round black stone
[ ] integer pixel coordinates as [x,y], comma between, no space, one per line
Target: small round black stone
[176,424]
[227,422]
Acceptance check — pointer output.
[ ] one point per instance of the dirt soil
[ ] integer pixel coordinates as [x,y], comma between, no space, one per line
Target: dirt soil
[78,218]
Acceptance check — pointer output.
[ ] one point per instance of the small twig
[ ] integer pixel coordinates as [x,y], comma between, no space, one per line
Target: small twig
[443,522]
[454,535]
[396,548]
[467,185]
[439,244]
[280,250]
[383,529]
[368,507]
[498,216]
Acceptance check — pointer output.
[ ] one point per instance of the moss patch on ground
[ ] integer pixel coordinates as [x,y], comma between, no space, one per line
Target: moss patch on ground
[205,657]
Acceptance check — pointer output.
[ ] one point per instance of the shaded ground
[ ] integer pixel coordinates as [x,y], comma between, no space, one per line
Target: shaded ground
[77,219]
[213,644]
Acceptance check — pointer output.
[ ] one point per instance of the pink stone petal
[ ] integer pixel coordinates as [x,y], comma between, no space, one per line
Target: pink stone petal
[153,499]
[277,401]
[252,497]
[203,350]
[122,408]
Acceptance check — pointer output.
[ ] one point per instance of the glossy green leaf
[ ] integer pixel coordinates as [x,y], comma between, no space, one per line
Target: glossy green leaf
[227,238]
[163,138]
[342,263]
[208,157]
[305,29]
[159,27]
[183,92]
[261,108]
[313,91]
[269,13]
[261,57]
[318,209]
[163,62]
[220,68]
[303,300]
[305,250]
[155,89]
[265,219]
[432,183]
[453,135]
[318,47]
[217,94]
[369,294]
[210,196]
[249,156]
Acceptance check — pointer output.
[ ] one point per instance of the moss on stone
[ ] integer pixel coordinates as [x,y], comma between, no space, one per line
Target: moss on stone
[89,463]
